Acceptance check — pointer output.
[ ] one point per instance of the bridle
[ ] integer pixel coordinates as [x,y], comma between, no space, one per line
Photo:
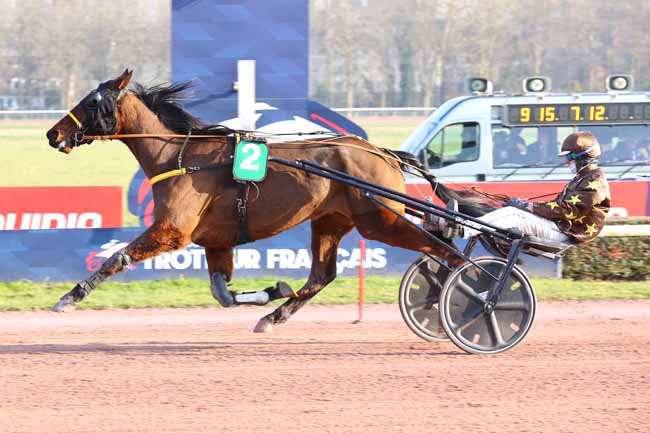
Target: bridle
[99,109]
[77,137]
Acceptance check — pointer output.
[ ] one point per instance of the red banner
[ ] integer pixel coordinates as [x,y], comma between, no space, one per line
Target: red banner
[629,197]
[30,208]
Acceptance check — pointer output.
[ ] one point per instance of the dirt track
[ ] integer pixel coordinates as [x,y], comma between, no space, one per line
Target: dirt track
[585,367]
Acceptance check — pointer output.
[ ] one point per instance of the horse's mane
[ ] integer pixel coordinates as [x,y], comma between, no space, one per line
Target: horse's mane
[165,102]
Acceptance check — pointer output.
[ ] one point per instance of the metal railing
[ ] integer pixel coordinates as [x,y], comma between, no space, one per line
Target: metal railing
[625,230]
[350,112]
[31,114]
[385,111]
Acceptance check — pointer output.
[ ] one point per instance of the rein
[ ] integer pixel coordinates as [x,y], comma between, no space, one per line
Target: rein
[328,142]
[161,136]
[503,197]
[491,196]
[168,174]
[189,170]
[198,136]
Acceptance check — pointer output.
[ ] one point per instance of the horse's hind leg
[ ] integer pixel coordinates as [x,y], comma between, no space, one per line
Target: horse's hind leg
[161,237]
[386,227]
[220,267]
[325,237]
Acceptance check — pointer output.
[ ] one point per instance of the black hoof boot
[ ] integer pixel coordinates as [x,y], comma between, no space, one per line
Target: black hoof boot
[281,290]
[80,291]
[220,291]
[66,303]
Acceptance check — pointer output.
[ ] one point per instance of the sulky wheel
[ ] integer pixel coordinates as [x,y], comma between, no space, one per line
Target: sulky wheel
[470,323]
[419,292]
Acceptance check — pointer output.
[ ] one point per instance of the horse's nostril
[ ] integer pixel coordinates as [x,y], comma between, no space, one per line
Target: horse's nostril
[52,136]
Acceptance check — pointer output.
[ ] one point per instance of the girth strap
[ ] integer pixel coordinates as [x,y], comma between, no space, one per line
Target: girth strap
[243,235]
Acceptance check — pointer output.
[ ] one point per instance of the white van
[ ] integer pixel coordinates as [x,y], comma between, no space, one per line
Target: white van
[496,138]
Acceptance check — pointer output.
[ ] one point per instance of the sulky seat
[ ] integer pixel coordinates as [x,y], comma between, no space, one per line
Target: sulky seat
[532,246]
[544,247]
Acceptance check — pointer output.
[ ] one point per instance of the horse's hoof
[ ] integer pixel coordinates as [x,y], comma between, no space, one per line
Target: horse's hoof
[63,307]
[264,325]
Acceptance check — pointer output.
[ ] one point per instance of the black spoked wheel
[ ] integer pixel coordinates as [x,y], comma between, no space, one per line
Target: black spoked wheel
[475,328]
[419,293]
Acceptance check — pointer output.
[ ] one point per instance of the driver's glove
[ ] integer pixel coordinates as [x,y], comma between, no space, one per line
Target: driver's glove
[518,203]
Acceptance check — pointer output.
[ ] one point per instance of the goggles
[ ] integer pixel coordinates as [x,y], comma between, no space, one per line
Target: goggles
[571,156]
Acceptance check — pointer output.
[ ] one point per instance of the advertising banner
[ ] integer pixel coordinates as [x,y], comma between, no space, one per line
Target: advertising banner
[72,255]
[33,208]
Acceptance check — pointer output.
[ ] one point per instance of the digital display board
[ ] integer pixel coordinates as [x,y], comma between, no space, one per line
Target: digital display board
[572,114]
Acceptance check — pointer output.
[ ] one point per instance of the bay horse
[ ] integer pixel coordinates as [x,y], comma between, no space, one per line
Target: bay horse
[200,206]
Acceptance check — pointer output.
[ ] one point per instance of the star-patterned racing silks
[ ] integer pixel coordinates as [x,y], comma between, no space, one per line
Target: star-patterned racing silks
[580,210]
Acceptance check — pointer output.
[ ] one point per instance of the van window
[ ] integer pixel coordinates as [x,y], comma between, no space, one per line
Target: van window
[622,144]
[539,146]
[455,143]
[526,145]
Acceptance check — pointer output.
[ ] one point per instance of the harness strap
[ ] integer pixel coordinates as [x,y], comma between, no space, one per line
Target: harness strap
[188,170]
[180,152]
[180,170]
[243,235]
[167,175]
[185,170]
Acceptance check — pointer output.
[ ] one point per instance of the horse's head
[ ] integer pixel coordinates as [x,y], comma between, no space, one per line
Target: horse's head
[96,114]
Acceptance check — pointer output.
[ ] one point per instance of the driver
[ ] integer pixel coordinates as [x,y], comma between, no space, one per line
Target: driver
[577,214]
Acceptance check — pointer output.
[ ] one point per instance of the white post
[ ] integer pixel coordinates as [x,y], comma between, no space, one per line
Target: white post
[246,93]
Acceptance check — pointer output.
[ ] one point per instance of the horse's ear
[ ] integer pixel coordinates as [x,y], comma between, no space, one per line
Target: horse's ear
[123,80]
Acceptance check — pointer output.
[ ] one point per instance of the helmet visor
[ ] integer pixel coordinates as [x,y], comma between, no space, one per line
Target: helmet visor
[571,156]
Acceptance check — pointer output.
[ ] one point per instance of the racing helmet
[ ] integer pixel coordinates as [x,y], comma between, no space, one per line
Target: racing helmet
[582,144]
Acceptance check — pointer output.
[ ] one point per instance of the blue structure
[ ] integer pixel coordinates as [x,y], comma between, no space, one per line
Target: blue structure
[210,36]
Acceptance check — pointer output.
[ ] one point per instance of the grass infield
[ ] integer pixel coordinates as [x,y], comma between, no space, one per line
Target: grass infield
[25,295]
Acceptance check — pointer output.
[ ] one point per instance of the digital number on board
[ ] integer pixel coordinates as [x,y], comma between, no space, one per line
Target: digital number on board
[571,114]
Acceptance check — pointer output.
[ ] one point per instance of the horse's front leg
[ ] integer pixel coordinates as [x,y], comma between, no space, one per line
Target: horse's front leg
[161,237]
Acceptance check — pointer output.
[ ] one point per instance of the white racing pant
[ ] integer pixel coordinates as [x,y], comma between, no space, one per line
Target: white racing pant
[511,217]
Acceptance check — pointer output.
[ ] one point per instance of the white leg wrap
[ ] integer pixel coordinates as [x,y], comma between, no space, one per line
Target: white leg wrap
[257,298]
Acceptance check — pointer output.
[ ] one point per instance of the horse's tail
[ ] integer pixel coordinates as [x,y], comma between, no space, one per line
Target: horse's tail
[443,192]
[469,202]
